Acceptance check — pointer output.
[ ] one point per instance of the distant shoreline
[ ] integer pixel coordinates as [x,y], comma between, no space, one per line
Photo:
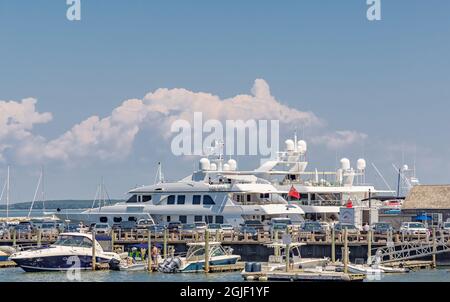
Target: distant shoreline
[55,204]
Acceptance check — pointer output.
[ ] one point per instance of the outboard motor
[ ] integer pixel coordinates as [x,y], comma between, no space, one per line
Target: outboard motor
[114,264]
[170,265]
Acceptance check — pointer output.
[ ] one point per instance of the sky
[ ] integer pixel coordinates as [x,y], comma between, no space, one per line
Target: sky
[95,98]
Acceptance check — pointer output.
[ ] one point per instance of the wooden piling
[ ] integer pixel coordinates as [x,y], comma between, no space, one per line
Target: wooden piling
[434,248]
[39,237]
[369,245]
[149,250]
[287,257]
[112,240]
[93,249]
[206,251]
[333,246]
[345,256]
[165,244]
[14,237]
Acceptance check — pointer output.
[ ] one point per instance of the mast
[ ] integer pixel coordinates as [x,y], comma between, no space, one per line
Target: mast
[7,195]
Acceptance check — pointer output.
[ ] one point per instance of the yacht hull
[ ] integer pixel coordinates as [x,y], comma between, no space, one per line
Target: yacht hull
[57,263]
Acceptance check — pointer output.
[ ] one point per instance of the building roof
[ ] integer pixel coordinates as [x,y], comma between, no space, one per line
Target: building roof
[428,197]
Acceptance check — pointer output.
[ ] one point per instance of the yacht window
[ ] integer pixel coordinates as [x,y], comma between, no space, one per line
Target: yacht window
[146,198]
[264,195]
[131,218]
[249,198]
[133,198]
[181,199]
[196,199]
[117,219]
[183,219]
[209,219]
[171,199]
[86,243]
[198,218]
[168,218]
[219,219]
[208,200]
[103,219]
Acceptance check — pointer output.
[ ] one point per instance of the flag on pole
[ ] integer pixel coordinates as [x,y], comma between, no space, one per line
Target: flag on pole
[294,193]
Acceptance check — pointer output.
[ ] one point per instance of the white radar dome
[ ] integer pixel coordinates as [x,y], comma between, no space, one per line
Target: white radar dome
[289,145]
[345,164]
[405,168]
[302,146]
[226,167]
[233,164]
[204,164]
[213,167]
[361,164]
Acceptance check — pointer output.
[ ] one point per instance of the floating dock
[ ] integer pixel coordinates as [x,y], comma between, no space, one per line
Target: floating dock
[301,275]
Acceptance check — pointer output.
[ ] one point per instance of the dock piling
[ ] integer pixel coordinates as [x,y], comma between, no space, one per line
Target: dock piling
[333,246]
[149,250]
[93,249]
[434,247]
[165,244]
[369,245]
[206,251]
[345,256]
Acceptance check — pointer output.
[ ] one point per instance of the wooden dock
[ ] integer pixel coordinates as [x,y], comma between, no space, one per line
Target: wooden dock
[227,268]
[301,275]
[6,264]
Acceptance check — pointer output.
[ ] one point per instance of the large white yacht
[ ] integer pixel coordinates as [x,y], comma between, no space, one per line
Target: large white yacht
[322,194]
[215,193]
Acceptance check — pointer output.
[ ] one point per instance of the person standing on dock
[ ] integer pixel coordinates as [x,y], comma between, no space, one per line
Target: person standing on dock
[155,252]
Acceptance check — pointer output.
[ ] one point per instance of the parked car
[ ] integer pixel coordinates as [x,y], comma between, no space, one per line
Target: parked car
[446,227]
[325,226]
[249,230]
[187,229]
[258,225]
[214,227]
[382,228]
[157,229]
[227,229]
[102,228]
[144,223]
[413,228]
[174,226]
[49,229]
[351,229]
[200,226]
[3,229]
[23,228]
[71,227]
[278,227]
[312,227]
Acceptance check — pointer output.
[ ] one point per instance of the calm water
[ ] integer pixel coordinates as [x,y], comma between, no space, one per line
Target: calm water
[17,275]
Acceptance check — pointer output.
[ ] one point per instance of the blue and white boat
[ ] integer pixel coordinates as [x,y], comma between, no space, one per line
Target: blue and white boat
[195,258]
[70,251]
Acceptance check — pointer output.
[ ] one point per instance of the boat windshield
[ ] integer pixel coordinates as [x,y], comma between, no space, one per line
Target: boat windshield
[76,241]
[198,252]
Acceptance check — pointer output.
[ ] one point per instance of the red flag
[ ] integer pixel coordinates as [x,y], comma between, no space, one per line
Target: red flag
[349,203]
[294,193]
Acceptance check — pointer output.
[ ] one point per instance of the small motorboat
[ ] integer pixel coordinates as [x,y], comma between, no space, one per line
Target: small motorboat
[70,251]
[195,258]
[278,260]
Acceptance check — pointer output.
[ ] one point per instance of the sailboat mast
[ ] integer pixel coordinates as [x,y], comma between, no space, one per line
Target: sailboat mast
[7,195]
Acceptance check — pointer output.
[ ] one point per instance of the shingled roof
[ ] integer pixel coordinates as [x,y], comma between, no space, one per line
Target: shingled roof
[428,197]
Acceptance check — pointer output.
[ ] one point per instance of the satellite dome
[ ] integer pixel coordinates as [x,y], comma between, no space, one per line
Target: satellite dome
[204,164]
[345,164]
[233,164]
[405,168]
[302,146]
[226,167]
[213,167]
[289,145]
[361,164]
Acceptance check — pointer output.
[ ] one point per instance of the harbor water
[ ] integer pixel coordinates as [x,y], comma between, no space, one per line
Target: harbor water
[18,275]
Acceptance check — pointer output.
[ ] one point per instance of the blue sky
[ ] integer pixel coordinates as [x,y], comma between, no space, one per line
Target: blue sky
[388,79]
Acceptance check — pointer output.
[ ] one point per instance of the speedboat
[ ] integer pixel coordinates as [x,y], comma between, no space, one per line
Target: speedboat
[70,251]
[278,260]
[195,258]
